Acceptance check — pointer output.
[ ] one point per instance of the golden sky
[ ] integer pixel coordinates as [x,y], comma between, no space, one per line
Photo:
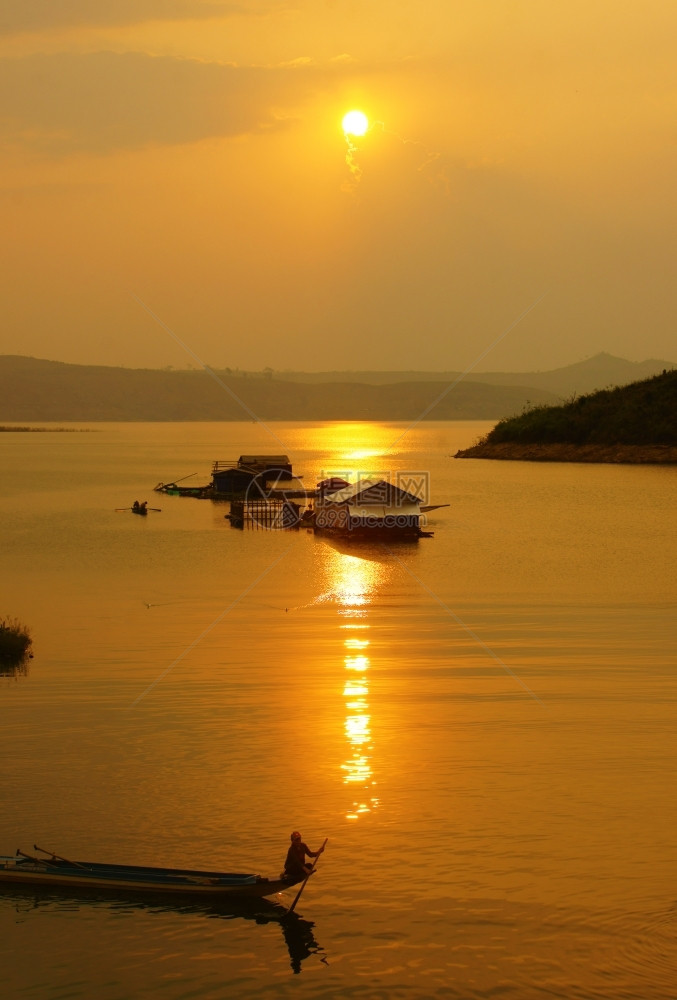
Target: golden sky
[188,156]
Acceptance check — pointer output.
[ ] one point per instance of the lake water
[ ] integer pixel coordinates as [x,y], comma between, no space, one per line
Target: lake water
[483,723]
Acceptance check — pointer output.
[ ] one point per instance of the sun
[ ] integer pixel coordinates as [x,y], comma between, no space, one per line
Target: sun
[355,123]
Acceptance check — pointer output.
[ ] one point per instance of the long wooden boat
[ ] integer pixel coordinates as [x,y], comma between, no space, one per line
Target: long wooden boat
[23,869]
[200,492]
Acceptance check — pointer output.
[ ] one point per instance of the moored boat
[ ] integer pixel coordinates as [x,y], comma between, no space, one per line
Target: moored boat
[199,492]
[56,872]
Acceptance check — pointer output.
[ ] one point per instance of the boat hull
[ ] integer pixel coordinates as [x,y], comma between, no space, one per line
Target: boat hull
[134,878]
[199,492]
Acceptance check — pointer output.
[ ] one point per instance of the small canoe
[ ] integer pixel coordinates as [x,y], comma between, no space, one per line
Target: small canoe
[22,869]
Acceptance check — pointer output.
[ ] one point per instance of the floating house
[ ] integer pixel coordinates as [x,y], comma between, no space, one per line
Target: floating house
[230,478]
[368,508]
[251,475]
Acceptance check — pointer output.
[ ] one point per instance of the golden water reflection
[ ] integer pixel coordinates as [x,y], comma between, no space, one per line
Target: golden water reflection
[357,769]
[354,581]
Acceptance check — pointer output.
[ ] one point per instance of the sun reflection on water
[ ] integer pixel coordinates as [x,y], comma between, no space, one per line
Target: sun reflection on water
[354,581]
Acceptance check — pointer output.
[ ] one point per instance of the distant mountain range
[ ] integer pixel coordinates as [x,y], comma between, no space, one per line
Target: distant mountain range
[599,372]
[33,390]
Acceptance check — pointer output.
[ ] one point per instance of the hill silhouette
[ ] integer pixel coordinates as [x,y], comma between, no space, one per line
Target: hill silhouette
[596,372]
[38,390]
[33,389]
[632,423]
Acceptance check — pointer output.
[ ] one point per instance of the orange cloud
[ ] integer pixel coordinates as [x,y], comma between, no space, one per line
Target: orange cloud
[98,102]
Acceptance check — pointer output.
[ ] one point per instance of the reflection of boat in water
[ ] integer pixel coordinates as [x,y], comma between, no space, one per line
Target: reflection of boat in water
[297,932]
[299,938]
[372,548]
[56,872]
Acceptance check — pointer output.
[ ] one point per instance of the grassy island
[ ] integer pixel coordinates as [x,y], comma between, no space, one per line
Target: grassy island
[635,423]
[15,641]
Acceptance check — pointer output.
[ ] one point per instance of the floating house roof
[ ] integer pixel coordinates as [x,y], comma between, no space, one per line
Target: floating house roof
[236,478]
[369,492]
[332,485]
[264,461]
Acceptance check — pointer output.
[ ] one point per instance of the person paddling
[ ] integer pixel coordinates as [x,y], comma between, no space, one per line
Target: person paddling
[295,865]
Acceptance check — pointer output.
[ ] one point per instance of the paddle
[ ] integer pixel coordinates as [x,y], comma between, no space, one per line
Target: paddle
[175,481]
[312,869]
[39,861]
[57,857]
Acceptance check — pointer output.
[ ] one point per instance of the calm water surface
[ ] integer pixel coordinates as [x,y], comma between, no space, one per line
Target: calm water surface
[482,723]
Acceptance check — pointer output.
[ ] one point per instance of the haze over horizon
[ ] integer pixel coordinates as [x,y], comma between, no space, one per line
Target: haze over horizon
[510,207]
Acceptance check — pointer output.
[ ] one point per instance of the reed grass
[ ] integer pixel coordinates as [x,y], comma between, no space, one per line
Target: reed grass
[15,640]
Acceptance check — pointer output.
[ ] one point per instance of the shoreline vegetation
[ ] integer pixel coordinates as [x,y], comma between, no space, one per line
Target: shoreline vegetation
[15,641]
[632,424]
[43,430]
